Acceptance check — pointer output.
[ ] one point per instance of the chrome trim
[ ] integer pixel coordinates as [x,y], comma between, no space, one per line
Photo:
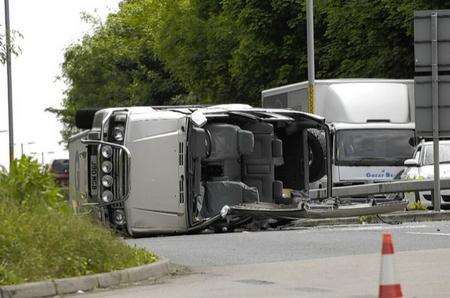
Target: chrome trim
[122,186]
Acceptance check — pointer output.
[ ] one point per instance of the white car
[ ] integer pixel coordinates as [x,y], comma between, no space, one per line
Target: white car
[421,167]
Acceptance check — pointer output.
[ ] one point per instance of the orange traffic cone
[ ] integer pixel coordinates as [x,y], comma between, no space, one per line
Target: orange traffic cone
[389,287]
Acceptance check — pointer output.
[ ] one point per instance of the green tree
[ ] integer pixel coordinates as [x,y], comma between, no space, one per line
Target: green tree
[219,51]
[195,41]
[116,65]
[15,48]
[229,50]
[272,44]
[367,39]
[370,38]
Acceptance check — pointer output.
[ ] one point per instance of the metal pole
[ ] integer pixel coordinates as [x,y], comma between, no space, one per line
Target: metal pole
[42,158]
[310,44]
[9,78]
[21,149]
[435,98]
[329,161]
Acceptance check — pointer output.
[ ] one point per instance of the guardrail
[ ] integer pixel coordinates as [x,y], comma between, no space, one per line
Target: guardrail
[379,188]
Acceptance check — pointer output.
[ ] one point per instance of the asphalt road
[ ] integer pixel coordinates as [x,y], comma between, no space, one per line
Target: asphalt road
[320,262]
[279,246]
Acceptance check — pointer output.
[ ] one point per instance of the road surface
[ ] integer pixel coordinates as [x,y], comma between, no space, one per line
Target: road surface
[318,262]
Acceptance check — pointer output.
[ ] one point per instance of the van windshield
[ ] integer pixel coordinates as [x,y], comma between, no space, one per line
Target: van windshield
[444,154]
[373,147]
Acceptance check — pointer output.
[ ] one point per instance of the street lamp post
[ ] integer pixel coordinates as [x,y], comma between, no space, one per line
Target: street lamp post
[310,46]
[42,155]
[22,146]
[48,152]
[9,79]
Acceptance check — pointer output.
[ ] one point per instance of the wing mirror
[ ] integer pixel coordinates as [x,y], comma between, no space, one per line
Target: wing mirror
[411,163]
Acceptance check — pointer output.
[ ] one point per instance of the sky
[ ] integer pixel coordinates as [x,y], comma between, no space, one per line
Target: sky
[48,28]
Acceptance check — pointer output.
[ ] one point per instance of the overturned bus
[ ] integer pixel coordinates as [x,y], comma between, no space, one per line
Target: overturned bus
[155,170]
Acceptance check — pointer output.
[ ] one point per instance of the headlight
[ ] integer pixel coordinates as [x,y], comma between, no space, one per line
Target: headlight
[107,196]
[119,133]
[107,151]
[119,217]
[107,167]
[107,181]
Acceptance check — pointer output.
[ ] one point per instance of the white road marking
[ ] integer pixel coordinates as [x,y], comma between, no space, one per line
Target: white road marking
[429,233]
[383,227]
[368,227]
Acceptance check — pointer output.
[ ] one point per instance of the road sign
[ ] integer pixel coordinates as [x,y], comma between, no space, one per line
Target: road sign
[424,105]
[432,83]
[432,42]
[423,26]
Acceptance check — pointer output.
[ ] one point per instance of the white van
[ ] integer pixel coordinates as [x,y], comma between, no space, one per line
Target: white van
[372,123]
[152,170]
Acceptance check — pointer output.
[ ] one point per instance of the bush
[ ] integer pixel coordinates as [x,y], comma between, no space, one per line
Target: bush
[367,219]
[417,205]
[40,238]
[31,186]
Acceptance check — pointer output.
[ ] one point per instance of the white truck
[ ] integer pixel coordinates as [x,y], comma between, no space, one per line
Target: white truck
[371,120]
[153,170]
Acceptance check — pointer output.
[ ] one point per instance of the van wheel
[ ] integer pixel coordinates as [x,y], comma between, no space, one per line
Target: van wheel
[318,154]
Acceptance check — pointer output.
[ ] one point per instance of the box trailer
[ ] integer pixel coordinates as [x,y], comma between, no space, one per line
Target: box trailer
[371,120]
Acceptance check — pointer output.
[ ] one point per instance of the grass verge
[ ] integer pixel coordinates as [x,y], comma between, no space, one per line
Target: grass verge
[41,238]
